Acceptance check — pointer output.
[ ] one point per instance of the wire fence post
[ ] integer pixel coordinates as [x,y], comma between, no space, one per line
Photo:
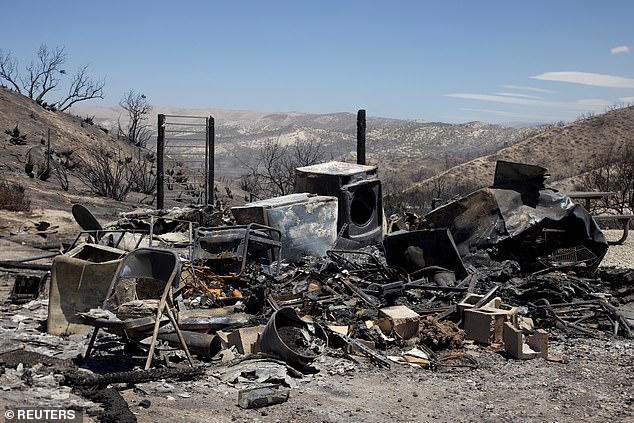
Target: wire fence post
[211,131]
[160,150]
[361,137]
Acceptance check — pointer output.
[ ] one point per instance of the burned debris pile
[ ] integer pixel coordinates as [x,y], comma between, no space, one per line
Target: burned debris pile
[264,294]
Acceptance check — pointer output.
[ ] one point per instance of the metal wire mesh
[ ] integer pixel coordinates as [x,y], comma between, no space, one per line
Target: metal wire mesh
[569,256]
[185,155]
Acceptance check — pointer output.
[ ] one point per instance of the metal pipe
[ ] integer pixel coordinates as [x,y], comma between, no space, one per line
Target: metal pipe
[160,151]
[186,146]
[198,343]
[211,162]
[185,117]
[19,265]
[185,124]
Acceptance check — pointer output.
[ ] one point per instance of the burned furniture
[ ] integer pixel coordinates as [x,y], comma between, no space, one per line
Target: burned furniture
[85,219]
[142,274]
[97,234]
[417,250]
[513,216]
[226,249]
[79,282]
[588,196]
[307,222]
[358,190]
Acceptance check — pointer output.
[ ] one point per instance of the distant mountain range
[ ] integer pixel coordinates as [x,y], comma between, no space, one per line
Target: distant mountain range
[390,142]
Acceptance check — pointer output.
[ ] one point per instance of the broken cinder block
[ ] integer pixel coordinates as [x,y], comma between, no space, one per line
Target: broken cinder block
[525,347]
[245,339]
[486,324]
[400,320]
[468,302]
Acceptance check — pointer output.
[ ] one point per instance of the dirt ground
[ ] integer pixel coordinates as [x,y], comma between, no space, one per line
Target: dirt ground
[595,385]
[594,382]
[619,255]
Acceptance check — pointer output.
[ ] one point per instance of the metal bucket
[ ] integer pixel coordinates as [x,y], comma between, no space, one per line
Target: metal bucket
[292,339]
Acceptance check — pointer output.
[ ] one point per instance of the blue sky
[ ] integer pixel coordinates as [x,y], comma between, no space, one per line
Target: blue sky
[442,60]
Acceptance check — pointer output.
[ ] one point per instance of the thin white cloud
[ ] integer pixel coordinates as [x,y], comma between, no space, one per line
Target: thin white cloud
[519,95]
[496,98]
[620,50]
[521,87]
[583,105]
[627,99]
[586,78]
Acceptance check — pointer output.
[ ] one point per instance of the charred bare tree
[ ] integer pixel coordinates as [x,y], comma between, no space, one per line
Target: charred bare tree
[138,109]
[43,75]
[273,170]
[82,88]
[613,171]
[144,173]
[9,70]
[61,174]
[107,173]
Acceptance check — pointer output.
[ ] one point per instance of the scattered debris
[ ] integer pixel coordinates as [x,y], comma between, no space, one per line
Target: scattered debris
[28,287]
[306,224]
[262,396]
[292,339]
[310,282]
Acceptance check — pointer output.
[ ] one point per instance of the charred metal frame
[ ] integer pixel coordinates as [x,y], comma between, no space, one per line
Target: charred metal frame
[241,252]
[99,233]
[172,129]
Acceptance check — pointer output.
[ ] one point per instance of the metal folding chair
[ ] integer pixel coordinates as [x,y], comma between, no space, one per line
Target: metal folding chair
[146,263]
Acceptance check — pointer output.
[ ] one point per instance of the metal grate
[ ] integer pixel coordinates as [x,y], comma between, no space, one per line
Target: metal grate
[569,256]
[185,151]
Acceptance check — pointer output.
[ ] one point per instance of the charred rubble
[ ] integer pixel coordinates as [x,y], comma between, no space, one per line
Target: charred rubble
[257,295]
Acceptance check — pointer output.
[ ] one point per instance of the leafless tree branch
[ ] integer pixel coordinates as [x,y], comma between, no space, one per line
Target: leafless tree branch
[138,109]
[43,73]
[81,89]
[273,170]
[9,69]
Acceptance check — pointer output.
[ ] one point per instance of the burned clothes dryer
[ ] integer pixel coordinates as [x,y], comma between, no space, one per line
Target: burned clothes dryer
[358,190]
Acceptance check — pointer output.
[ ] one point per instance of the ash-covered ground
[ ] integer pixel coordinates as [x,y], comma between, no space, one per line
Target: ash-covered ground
[588,378]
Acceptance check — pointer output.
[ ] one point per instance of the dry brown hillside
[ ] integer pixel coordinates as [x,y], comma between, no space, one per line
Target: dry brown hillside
[566,151]
[49,202]
[68,133]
